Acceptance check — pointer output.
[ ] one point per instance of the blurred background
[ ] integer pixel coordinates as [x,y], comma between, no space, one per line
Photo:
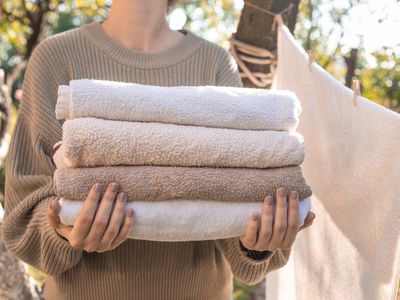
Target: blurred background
[350,39]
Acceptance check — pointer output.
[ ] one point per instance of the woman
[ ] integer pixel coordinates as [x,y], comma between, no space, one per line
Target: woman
[93,259]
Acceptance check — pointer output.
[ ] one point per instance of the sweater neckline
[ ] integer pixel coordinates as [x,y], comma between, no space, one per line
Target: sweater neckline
[114,49]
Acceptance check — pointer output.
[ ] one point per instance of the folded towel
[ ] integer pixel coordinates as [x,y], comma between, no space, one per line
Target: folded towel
[155,183]
[209,106]
[185,220]
[89,142]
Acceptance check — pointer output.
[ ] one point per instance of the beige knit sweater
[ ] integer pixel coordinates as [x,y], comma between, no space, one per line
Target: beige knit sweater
[137,269]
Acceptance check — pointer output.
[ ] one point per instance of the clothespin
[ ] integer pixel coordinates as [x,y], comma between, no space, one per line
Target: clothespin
[356,90]
[310,59]
[278,21]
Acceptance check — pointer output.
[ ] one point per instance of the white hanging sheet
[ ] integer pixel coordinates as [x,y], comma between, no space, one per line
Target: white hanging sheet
[352,163]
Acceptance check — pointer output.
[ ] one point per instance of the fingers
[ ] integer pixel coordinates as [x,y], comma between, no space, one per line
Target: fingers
[308,220]
[115,223]
[293,221]
[126,228]
[101,218]
[280,219]
[85,218]
[265,233]
[54,220]
[52,213]
[249,239]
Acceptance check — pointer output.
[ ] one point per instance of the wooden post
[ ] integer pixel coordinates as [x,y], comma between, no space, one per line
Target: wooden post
[256,28]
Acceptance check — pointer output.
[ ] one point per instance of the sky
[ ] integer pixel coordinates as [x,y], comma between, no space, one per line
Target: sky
[372,25]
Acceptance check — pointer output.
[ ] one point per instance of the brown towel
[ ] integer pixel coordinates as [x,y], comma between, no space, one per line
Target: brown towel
[91,142]
[155,183]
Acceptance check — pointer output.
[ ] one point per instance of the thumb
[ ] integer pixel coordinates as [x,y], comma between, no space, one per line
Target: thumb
[52,213]
[54,219]
[308,220]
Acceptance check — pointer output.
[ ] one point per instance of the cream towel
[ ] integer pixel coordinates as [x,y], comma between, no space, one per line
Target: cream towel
[89,142]
[155,183]
[352,251]
[209,106]
[185,220]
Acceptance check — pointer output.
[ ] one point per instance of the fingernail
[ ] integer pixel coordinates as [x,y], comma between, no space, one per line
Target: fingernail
[52,205]
[114,187]
[270,200]
[97,187]
[255,217]
[293,194]
[122,196]
[282,192]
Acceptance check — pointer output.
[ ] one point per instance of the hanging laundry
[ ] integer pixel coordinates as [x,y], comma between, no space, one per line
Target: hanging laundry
[352,163]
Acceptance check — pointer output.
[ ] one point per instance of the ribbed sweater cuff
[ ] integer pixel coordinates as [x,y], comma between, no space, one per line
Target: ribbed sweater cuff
[256,255]
[57,253]
[248,270]
[63,102]
[247,255]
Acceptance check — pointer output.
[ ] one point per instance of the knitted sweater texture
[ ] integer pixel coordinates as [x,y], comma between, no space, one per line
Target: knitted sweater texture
[137,269]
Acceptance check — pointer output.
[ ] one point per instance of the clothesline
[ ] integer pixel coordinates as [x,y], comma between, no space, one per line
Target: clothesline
[244,52]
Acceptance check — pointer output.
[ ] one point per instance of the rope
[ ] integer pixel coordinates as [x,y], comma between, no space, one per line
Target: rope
[278,20]
[254,55]
[244,52]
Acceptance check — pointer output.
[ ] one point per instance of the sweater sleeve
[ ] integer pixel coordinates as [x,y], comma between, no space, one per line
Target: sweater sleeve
[29,173]
[248,266]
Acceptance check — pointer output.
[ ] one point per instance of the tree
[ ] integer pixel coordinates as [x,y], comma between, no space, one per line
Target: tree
[257,27]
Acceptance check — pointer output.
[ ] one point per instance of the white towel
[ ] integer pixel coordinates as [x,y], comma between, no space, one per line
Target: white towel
[89,142]
[209,106]
[352,251]
[185,220]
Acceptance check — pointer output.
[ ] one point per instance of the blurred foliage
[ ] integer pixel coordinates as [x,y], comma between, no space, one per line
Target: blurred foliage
[379,83]
[382,83]
[213,19]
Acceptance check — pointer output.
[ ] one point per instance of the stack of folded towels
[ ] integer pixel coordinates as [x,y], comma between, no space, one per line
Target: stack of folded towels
[194,161]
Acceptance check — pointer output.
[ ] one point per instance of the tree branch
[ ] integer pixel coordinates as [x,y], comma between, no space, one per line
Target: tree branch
[27,13]
[11,16]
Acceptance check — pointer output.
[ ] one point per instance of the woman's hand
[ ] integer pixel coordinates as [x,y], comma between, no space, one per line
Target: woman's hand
[278,232]
[100,226]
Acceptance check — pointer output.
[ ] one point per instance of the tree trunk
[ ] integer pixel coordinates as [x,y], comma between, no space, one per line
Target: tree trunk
[351,62]
[13,279]
[256,28]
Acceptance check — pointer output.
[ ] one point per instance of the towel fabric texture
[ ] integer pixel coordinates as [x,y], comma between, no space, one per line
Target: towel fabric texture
[89,142]
[352,251]
[137,269]
[208,106]
[185,220]
[155,183]
[197,180]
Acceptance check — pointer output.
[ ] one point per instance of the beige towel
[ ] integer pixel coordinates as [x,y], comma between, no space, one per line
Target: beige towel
[154,183]
[209,106]
[89,142]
